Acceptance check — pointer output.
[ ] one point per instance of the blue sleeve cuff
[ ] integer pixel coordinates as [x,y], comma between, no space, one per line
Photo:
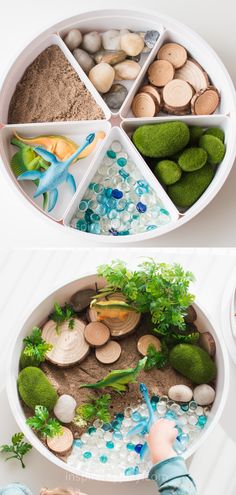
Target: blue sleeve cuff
[168,470]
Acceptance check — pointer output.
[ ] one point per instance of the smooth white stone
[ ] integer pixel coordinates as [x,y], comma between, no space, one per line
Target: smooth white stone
[64,409]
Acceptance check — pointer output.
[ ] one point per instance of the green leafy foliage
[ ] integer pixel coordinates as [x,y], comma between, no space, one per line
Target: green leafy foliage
[156,359]
[157,288]
[43,424]
[119,379]
[35,346]
[62,314]
[18,448]
[97,408]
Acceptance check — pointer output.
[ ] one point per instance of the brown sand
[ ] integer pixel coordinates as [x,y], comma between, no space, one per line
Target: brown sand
[51,91]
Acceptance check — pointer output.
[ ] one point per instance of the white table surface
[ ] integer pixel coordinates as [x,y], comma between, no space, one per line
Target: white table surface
[28,276]
[20,21]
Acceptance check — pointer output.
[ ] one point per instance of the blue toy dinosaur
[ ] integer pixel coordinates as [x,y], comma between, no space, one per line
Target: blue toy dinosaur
[56,174]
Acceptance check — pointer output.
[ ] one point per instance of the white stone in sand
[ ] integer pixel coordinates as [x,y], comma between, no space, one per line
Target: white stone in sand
[204,394]
[180,393]
[64,409]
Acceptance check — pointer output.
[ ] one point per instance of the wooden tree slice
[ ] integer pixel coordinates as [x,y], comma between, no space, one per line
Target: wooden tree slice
[96,334]
[145,341]
[108,353]
[176,111]
[61,444]
[174,53]
[177,94]
[148,88]
[194,74]
[205,102]
[160,72]
[69,346]
[118,328]
[145,105]
[207,342]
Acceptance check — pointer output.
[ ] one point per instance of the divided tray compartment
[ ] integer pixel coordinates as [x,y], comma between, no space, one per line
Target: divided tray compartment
[38,315]
[102,20]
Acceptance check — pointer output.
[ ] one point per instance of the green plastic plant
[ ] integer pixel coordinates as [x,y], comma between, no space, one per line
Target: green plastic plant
[43,424]
[35,349]
[156,359]
[18,448]
[96,408]
[156,288]
[61,314]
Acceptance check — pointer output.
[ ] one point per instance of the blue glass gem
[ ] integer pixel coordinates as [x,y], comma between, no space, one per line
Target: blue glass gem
[87,215]
[185,407]
[184,438]
[138,448]
[136,416]
[113,231]
[103,459]
[120,416]
[106,426]
[129,471]
[111,154]
[130,446]
[155,399]
[108,192]
[110,445]
[78,443]
[87,455]
[170,415]
[151,227]
[91,430]
[121,161]
[116,425]
[136,470]
[117,435]
[123,174]
[141,207]
[202,421]
[164,212]
[117,194]
[81,225]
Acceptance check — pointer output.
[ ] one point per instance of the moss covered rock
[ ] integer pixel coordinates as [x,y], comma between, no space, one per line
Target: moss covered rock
[195,133]
[192,159]
[27,361]
[191,186]
[167,172]
[161,140]
[217,132]
[193,363]
[214,148]
[35,388]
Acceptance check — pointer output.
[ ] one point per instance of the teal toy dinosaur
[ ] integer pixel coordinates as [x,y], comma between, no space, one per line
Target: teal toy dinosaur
[56,174]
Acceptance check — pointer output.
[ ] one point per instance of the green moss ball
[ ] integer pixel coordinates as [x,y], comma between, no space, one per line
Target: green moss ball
[214,148]
[192,159]
[167,172]
[195,133]
[217,132]
[191,186]
[27,361]
[35,388]
[161,140]
[193,363]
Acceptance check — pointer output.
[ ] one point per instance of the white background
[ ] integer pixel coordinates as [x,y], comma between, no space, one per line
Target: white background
[27,277]
[22,20]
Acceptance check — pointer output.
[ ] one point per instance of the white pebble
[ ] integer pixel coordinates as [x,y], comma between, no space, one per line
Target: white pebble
[204,395]
[180,393]
[102,77]
[111,40]
[127,70]
[64,409]
[92,42]
[132,44]
[73,39]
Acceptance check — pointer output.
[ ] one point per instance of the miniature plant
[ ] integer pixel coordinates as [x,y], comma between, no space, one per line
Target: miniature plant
[97,408]
[156,288]
[62,314]
[43,424]
[156,359]
[18,448]
[119,379]
[35,349]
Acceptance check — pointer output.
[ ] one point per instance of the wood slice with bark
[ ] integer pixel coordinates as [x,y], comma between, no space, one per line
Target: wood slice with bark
[205,102]
[61,444]
[148,88]
[160,73]
[108,353]
[145,341]
[177,94]
[176,111]
[194,74]
[96,334]
[69,345]
[145,105]
[175,54]
[207,342]
[118,328]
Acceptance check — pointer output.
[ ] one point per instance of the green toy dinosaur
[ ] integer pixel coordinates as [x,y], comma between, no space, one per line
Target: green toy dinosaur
[119,379]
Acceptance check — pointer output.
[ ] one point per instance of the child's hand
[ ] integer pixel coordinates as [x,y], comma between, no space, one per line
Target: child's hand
[160,440]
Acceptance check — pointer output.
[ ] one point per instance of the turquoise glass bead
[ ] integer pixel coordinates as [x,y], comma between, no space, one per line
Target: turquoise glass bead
[129,471]
[111,154]
[110,445]
[77,443]
[117,435]
[83,205]
[103,459]
[185,407]
[87,455]
[106,427]
[91,430]
[202,421]
[120,416]
[81,225]
[116,425]
[130,446]
[136,416]
[121,161]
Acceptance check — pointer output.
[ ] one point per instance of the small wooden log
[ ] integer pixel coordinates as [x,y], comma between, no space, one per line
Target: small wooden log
[205,102]
[145,341]
[108,353]
[61,444]
[160,73]
[174,53]
[69,345]
[118,328]
[96,334]
[148,88]
[176,111]
[194,74]
[207,342]
[144,105]
[191,315]
[177,94]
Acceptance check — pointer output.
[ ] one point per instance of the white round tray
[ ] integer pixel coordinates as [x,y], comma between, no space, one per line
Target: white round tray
[228,318]
[118,125]
[38,316]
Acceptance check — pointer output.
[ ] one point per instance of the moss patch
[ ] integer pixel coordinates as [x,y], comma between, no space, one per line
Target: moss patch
[167,172]
[214,148]
[193,363]
[35,389]
[192,159]
[191,186]
[161,140]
